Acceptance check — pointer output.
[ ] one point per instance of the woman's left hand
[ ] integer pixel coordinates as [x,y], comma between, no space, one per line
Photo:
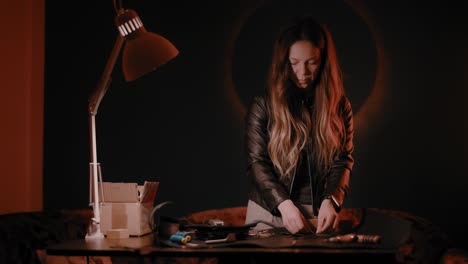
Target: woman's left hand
[328,218]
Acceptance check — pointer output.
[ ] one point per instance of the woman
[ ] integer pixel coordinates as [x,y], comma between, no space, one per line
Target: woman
[299,136]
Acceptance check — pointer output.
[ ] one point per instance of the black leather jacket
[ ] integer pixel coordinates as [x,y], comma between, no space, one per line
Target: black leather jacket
[266,188]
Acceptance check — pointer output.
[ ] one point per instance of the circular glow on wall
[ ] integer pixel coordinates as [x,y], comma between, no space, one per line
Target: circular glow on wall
[357,39]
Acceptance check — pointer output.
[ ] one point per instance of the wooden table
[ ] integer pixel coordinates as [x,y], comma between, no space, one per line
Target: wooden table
[290,249]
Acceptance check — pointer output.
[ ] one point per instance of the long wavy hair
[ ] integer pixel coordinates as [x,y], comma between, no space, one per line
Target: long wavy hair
[290,130]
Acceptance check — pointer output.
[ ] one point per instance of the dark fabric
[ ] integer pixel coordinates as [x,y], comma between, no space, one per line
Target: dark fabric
[426,243]
[266,188]
[21,234]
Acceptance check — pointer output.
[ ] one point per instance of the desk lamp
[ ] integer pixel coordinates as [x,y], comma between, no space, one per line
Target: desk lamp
[142,53]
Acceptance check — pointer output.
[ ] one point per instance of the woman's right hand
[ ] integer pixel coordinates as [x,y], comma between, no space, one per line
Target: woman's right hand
[292,218]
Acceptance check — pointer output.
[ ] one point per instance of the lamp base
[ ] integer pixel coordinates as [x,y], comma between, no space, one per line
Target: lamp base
[94,236]
[94,232]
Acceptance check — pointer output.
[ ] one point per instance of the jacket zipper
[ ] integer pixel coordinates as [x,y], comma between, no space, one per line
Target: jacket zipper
[292,182]
[310,182]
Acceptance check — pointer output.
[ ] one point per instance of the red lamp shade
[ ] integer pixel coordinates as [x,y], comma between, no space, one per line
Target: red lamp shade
[143,51]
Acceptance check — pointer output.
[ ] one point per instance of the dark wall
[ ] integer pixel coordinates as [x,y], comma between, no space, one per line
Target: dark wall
[404,67]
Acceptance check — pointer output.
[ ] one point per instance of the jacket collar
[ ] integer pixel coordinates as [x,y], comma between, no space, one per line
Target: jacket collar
[299,96]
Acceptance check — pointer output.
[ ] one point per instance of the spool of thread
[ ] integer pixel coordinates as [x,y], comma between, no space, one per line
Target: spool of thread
[176,238]
[180,237]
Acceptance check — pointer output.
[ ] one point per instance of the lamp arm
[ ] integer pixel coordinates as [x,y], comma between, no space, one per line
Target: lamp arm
[104,82]
[93,105]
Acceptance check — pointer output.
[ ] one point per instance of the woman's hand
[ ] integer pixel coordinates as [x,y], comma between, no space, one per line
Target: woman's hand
[328,218]
[292,218]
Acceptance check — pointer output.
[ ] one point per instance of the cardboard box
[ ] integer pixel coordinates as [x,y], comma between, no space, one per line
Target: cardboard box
[127,206]
[131,216]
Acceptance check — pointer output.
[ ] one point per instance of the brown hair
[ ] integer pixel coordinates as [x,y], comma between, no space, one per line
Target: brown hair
[289,132]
